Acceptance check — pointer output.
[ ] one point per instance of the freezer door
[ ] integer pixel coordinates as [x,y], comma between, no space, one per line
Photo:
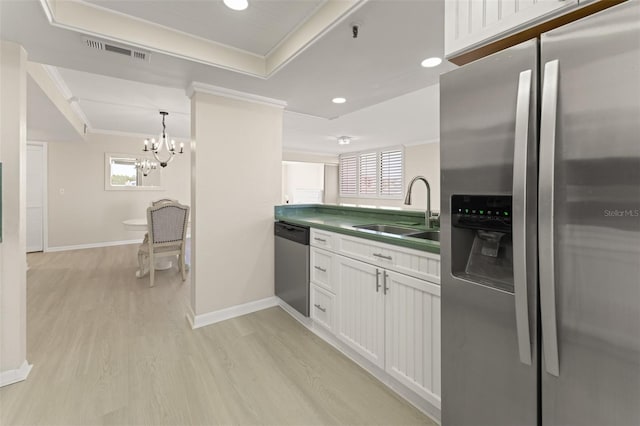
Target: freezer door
[590,220]
[488,112]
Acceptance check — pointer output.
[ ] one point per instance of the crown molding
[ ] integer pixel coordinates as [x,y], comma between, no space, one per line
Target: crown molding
[421,142]
[58,93]
[326,17]
[106,24]
[197,87]
[54,74]
[57,79]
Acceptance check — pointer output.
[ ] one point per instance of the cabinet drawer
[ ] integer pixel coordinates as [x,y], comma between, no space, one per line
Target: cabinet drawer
[322,239]
[322,307]
[322,268]
[414,263]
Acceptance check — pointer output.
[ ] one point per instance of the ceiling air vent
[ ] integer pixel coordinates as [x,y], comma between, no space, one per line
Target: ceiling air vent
[120,49]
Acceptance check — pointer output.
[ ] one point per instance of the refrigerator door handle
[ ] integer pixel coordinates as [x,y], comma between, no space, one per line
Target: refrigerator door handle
[520,162]
[546,217]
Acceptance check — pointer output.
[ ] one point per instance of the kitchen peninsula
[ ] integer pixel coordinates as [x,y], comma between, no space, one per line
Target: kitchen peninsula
[374,290]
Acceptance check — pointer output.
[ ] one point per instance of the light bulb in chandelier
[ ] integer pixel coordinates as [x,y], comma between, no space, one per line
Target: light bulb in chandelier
[146,166]
[164,149]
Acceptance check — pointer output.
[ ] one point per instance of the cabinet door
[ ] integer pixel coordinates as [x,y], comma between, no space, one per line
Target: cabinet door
[361,308]
[473,23]
[413,334]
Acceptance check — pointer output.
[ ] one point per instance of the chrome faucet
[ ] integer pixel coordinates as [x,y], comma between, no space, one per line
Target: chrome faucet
[407,200]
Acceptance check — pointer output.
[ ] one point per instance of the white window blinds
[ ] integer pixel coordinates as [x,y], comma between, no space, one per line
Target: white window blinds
[391,173]
[372,174]
[368,176]
[348,176]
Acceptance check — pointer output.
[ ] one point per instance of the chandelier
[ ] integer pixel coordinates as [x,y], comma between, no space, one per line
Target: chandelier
[163,149]
[145,166]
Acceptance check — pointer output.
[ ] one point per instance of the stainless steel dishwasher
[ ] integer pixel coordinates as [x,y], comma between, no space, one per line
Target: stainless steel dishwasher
[292,265]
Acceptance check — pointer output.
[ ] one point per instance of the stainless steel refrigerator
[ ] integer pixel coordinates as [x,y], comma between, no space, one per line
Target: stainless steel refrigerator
[540,159]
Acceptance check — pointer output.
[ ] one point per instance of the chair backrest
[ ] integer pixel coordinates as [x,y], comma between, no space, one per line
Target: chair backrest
[162,201]
[167,223]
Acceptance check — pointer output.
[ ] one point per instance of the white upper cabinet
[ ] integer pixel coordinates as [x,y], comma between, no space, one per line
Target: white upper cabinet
[469,24]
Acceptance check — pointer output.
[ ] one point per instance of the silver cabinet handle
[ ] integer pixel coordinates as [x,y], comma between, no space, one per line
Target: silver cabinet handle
[322,240]
[320,307]
[320,269]
[546,217]
[384,280]
[377,280]
[382,256]
[519,215]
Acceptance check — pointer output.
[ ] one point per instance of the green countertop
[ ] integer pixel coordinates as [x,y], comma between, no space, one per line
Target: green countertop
[342,219]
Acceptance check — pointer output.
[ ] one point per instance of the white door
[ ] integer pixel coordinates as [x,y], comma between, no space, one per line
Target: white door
[36,190]
[361,308]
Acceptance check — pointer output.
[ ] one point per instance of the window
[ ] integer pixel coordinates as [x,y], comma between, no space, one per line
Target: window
[368,176]
[372,174]
[121,174]
[124,172]
[391,173]
[348,176]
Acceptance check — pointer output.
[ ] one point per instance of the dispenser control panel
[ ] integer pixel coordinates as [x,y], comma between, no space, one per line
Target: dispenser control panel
[486,212]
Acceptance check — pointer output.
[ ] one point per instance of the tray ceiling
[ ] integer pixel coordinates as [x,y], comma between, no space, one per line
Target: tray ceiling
[258,29]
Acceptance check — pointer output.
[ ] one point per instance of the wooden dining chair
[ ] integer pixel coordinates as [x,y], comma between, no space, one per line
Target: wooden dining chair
[167,236]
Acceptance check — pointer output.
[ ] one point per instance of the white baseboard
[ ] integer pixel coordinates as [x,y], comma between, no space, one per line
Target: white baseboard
[94,245]
[10,377]
[197,321]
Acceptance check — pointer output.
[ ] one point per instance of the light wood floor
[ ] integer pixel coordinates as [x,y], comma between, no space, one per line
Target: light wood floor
[107,349]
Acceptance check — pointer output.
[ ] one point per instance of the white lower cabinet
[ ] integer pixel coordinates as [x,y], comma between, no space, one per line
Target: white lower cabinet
[361,308]
[412,334]
[389,318]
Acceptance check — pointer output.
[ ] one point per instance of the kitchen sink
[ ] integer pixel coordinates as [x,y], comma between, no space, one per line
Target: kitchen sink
[388,229]
[426,235]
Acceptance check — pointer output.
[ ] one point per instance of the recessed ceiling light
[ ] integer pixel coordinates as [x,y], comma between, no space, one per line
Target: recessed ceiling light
[344,140]
[236,4]
[338,100]
[431,62]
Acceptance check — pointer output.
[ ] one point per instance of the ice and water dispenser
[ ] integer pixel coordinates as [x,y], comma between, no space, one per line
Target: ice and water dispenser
[481,240]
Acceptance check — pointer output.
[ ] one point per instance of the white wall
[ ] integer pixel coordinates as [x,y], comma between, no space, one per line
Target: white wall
[81,211]
[13,259]
[330,162]
[308,157]
[236,165]
[424,160]
[301,181]
[331,183]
